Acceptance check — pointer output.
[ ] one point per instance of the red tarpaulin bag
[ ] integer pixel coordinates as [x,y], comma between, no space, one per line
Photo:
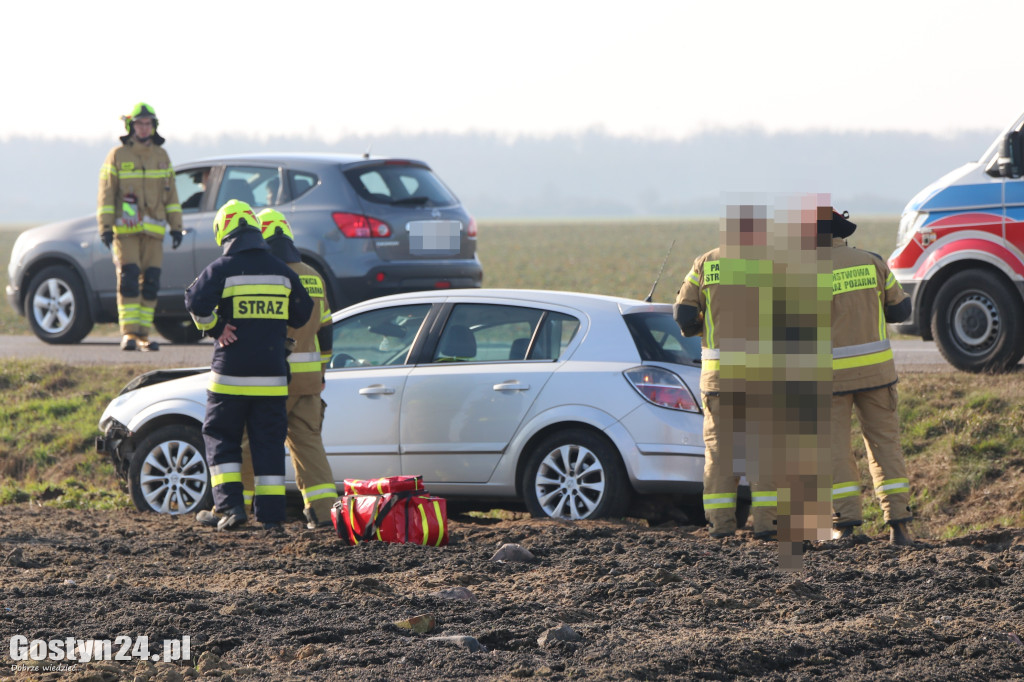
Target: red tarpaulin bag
[392,517]
[380,486]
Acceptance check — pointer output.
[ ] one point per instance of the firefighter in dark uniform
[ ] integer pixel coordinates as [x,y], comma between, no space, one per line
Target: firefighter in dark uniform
[313,343]
[865,296]
[247,299]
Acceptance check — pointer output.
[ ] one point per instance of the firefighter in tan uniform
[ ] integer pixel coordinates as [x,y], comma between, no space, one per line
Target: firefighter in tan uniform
[307,362]
[717,300]
[865,296]
[138,201]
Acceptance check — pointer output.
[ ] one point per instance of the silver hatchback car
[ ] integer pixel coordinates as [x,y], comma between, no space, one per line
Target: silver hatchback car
[570,403]
[370,226]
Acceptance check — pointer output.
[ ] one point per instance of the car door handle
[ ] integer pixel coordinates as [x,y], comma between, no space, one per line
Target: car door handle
[511,386]
[376,389]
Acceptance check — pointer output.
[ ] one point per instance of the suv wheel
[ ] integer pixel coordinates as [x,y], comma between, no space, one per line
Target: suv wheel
[55,306]
[575,474]
[178,330]
[977,323]
[168,472]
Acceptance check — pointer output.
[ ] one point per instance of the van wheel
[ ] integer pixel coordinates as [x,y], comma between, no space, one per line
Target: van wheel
[575,474]
[55,306]
[977,323]
[168,472]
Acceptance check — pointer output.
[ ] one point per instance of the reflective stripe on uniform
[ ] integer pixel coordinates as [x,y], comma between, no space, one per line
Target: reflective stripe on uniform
[129,313]
[269,485]
[145,316]
[863,360]
[305,362]
[226,473]
[319,492]
[860,349]
[710,354]
[249,285]
[892,486]
[251,386]
[719,500]
[847,489]
[765,498]
[247,497]
[204,322]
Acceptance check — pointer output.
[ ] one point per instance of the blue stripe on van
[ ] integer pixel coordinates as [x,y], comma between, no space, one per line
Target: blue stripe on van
[1015,192]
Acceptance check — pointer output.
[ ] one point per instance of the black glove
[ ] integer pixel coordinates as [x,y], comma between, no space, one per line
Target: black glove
[107,237]
[175,239]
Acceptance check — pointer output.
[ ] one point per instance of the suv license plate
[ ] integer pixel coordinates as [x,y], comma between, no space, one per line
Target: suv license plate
[434,237]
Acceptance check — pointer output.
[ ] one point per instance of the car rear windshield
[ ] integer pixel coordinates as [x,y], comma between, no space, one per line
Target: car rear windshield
[399,184]
[658,339]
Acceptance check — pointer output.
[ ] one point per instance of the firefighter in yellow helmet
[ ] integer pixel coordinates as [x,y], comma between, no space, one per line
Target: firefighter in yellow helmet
[865,296]
[247,299]
[138,204]
[305,407]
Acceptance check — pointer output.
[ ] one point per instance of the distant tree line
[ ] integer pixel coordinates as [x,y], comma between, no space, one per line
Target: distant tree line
[590,174]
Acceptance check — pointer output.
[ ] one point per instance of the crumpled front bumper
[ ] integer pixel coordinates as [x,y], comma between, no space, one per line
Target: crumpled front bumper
[113,443]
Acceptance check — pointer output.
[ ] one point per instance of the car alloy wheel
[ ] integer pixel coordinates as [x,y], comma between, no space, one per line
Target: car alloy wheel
[168,473]
[576,475]
[55,306]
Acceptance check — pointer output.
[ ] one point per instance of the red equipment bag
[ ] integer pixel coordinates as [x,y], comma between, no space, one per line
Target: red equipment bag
[392,517]
[380,486]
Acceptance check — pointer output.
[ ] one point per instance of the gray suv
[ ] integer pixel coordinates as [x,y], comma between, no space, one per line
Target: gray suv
[371,226]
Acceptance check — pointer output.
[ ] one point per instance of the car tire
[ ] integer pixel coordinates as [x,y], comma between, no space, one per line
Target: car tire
[178,330]
[55,306]
[977,323]
[168,472]
[575,474]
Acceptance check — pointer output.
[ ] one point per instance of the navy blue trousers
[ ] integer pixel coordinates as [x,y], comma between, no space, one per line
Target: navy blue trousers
[266,419]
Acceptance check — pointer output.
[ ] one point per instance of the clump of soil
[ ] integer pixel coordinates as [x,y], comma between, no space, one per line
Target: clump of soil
[598,600]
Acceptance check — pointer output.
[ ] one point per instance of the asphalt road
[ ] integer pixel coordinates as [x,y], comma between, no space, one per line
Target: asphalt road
[911,355]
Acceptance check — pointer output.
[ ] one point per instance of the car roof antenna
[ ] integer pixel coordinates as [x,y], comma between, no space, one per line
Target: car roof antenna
[366,154]
[657,279]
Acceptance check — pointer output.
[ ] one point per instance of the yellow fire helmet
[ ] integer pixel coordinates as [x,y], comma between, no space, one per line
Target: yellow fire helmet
[273,224]
[232,216]
[141,110]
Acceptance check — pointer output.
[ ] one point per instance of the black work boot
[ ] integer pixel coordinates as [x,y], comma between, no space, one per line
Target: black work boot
[842,533]
[313,521]
[899,534]
[273,528]
[128,342]
[146,345]
[233,519]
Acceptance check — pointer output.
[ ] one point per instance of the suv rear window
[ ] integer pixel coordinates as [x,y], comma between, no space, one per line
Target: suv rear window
[399,184]
[658,339]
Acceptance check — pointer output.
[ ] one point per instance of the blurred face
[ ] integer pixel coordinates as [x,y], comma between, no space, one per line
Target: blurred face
[143,128]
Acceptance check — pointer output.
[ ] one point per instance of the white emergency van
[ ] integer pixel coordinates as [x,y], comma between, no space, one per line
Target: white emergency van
[960,256]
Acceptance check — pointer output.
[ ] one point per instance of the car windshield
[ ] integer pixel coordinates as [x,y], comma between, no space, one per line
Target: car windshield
[658,339]
[399,184]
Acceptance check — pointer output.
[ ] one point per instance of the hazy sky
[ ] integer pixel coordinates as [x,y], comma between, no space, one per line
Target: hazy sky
[659,68]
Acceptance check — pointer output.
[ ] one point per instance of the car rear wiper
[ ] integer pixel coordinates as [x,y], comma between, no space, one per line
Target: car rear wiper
[412,201]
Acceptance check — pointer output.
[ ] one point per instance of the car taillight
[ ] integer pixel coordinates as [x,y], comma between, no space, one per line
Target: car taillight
[355,226]
[661,387]
[471,230]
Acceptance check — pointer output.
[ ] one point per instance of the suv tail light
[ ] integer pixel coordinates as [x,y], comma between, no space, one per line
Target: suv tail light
[661,387]
[355,226]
